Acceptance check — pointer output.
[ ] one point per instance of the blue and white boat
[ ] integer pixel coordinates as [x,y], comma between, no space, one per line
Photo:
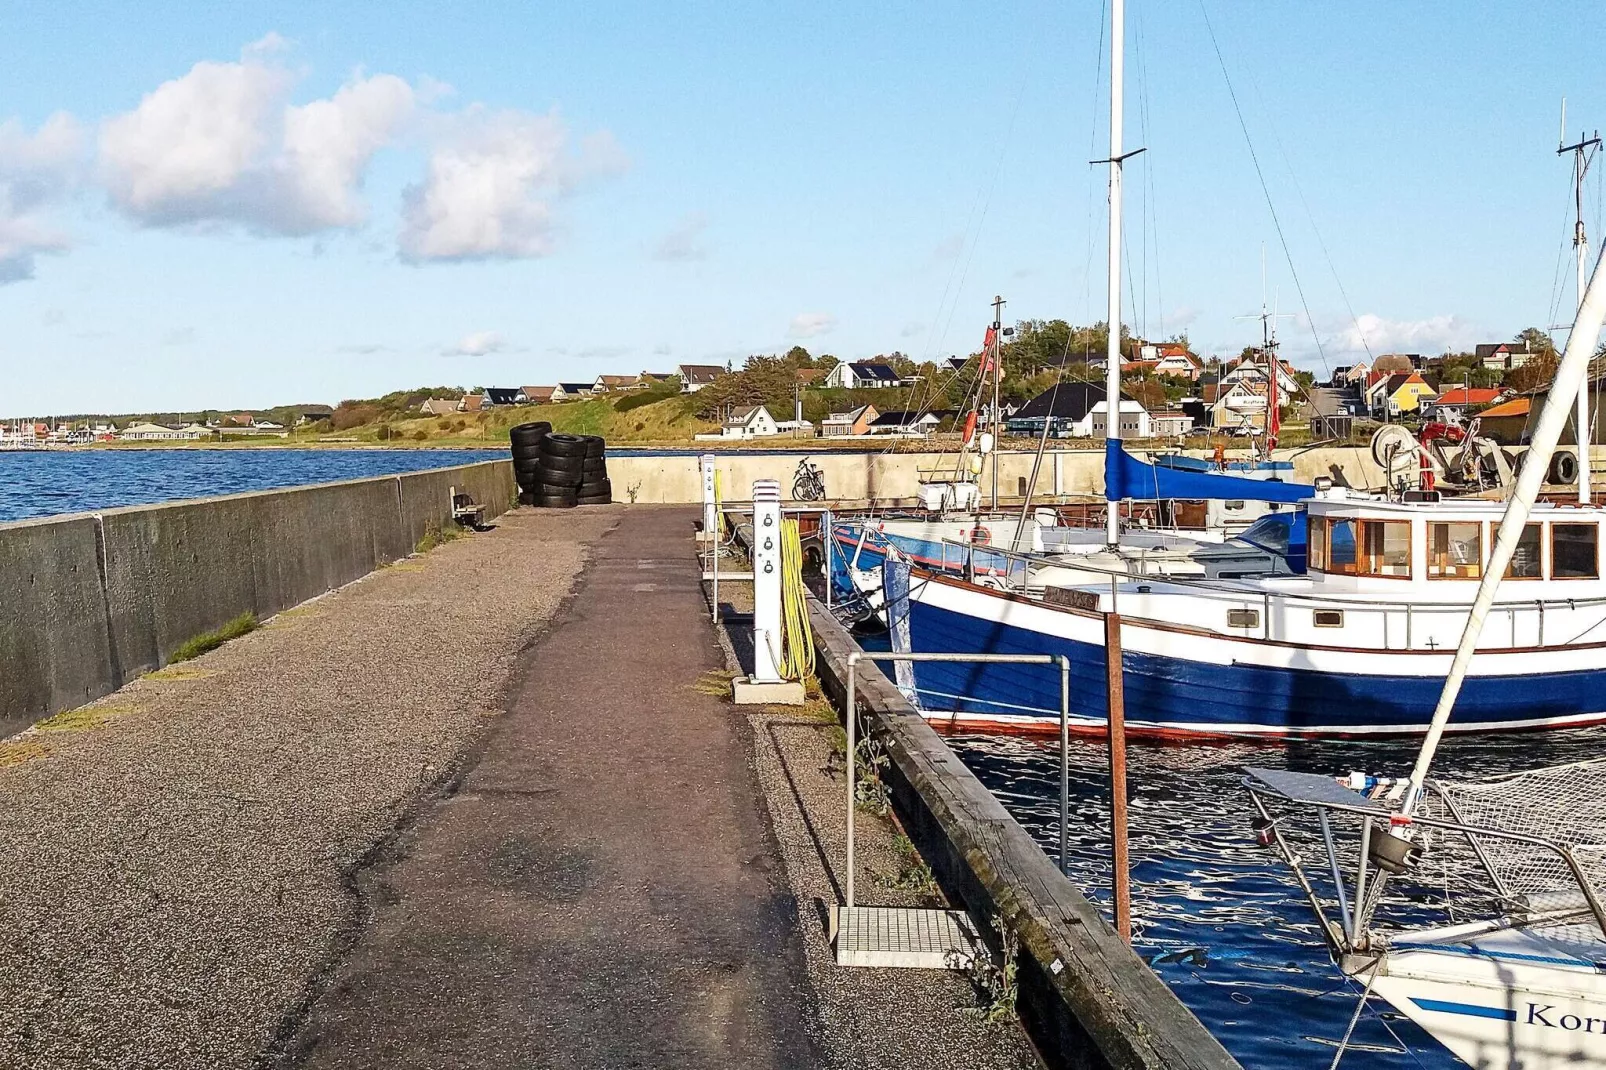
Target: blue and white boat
[1357,646]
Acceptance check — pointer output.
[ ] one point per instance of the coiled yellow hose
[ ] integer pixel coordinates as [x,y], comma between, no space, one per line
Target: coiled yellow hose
[798,663]
[719,507]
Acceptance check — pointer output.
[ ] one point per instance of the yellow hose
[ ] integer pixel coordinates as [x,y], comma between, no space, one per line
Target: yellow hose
[798,663]
[719,507]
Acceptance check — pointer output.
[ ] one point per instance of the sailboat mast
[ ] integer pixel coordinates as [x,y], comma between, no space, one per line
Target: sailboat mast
[1583,151]
[1112,349]
[998,355]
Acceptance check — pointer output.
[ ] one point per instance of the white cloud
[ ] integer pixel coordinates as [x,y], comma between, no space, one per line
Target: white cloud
[1180,319]
[911,330]
[809,324]
[223,144]
[1434,334]
[477,344]
[36,171]
[685,241]
[603,352]
[662,349]
[491,181]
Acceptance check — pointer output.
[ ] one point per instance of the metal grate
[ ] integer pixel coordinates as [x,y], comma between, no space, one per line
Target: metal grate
[905,938]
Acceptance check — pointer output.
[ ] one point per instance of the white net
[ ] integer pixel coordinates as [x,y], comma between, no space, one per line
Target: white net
[1564,805]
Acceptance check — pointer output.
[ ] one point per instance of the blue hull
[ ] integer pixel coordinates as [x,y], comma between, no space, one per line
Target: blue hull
[1173,696]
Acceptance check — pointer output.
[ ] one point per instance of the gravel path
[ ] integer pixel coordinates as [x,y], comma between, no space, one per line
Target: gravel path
[176,859]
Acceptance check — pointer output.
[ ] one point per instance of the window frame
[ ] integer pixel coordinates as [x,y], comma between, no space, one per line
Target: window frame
[1361,555]
[1540,542]
[1483,548]
[1594,526]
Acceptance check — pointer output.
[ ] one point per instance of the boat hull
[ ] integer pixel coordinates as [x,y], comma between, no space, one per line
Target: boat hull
[1181,681]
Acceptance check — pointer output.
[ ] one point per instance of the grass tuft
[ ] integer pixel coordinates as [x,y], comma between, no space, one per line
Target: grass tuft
[438,537]
[715,682]
[21,751]
[81,719]
[244,624]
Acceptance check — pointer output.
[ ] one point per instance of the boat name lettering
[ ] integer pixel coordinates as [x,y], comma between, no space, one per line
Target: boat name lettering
[1572,1023]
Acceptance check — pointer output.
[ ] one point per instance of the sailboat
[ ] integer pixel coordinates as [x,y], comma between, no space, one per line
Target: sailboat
[1355,647]
[1523,983]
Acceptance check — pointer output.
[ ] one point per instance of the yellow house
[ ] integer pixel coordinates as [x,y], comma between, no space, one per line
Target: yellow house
[1401,392]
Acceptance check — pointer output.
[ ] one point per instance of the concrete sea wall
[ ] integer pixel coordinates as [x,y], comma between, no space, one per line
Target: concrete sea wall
[888,477]
[89,602]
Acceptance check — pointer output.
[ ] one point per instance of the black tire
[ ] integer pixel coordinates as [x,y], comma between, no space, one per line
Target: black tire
[526,451]
[557,501]
[529,434]
[569,468]
[598,489]
[563,446]
[557,488]
[523,467]
[596,446]
[527,497]
[605,499]
[1564,468]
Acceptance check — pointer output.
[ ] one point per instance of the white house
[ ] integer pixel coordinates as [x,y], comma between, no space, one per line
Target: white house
[1135,420]
[1169,422]
[1077,410]
[755,422]
[905,424]
[854,375]
[693,377]
[147,432]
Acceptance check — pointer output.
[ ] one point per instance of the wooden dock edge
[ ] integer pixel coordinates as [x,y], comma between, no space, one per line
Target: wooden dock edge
[1085,998]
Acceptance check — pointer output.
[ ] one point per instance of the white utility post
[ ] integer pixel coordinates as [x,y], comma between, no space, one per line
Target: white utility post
[766,685]
[710,516]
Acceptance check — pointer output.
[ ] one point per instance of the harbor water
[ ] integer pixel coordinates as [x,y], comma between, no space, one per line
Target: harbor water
[48,483]
[1218,916]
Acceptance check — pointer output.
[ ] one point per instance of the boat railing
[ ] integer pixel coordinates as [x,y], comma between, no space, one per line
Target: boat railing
[1015,570]
[1391,844]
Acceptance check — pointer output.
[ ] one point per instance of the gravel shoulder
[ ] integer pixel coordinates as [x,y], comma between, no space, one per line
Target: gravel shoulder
[180,856]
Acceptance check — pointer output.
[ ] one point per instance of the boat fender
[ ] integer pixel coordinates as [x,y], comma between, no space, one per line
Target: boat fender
[981,536]
[970,427]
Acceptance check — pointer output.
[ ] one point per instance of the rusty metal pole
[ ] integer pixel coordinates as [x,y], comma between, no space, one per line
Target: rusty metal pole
[1116,706]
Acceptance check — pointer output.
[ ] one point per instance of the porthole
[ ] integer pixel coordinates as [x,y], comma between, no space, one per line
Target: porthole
[1329,618]
[1243,618]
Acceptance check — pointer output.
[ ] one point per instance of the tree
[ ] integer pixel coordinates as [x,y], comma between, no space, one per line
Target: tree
[1536,340]
[1539,371]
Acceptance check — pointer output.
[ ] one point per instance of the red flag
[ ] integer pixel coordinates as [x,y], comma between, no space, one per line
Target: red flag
[1274,416]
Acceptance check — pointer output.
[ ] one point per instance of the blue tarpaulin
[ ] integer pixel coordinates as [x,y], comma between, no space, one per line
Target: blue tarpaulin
[1127,477]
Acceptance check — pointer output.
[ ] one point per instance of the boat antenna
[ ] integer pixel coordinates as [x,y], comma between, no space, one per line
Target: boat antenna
[1552,419]
[1112,347]
[1583,151]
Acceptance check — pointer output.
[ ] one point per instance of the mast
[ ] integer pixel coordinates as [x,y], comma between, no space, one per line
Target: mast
[1583,151]
[1112,349]
[997,426]
[1552,419]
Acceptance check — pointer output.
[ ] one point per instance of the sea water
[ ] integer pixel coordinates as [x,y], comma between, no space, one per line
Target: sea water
[35,484]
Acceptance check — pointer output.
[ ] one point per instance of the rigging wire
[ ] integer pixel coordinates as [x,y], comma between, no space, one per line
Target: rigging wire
[1264,189]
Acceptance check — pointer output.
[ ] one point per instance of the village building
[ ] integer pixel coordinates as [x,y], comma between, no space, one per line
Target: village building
[862,374]
[1463,400]
[1504,356]
[606,384]
[1397,393]
[856,422]
[754,422]
[572,391]
[439,406]
[907,423]
[693,377]
[537,395]
[1077,410]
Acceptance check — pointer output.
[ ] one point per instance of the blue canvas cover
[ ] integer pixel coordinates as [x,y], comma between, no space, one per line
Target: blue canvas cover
[1127,477]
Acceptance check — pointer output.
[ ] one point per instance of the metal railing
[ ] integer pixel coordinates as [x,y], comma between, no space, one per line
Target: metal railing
[1063,661]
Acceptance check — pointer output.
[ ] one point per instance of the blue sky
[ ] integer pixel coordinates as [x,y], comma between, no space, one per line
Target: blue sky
[336,203]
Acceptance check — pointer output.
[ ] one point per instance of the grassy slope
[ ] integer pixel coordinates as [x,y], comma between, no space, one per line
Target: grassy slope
[665,421]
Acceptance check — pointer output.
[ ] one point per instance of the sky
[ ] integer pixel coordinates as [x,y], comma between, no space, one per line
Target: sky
[248,204]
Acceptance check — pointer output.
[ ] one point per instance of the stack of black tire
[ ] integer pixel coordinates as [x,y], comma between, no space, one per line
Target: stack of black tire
[560,471]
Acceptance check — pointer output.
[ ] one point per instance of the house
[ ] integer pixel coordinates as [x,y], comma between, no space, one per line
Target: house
[1169,422]
[755,422]
[503,395]
[807,377]
[1350,375]
[576,390]
[1461,400]
[1234,404]
[861,374]
[1181,364]
[693,377]
[1077,410]
[1398,392]
[471,403]
[907,423]
[1504,356]
[856,422]
[1507,422]
[1255,368]
[312,414]
[192,432]
[647,380]
[954,364]
[609,383]
[148,432]
[538,395]
[439,406]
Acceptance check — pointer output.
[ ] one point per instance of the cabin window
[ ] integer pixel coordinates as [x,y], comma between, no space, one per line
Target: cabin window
[1329,618]
[1243,618]
[1573,552]
[1316,543]
[1341,547]
[1384,549]
[1455,551]
[1526,562]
